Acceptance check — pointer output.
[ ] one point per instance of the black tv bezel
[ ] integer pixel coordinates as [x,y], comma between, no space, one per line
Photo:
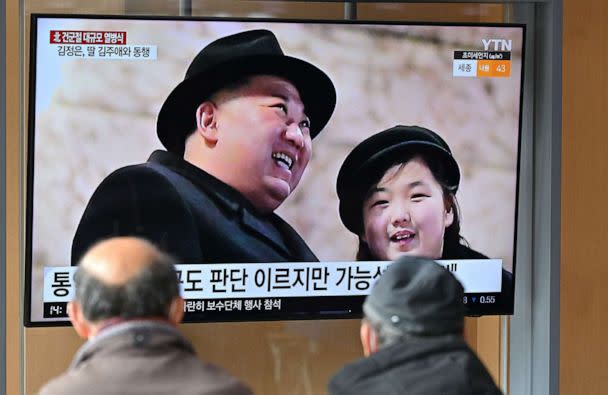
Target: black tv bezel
[479,310]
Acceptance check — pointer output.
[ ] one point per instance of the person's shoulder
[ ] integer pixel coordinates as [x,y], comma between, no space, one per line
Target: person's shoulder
[218,380]
[479,379]
[65,384]
[467,375]
[146,169]
[134,200]
[151,177]
[356,377]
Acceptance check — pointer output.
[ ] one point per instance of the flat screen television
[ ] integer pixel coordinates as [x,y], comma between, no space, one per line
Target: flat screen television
[97,84]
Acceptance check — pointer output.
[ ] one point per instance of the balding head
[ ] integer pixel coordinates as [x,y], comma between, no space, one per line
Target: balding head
[116,261]
[126,278]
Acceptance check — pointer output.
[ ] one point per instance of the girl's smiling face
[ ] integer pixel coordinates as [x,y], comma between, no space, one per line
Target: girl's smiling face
[405,213]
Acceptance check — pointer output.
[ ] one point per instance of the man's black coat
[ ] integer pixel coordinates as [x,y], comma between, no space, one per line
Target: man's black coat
[187,213]
[433,365]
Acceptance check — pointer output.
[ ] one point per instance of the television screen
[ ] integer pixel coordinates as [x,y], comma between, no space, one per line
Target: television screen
[98,164]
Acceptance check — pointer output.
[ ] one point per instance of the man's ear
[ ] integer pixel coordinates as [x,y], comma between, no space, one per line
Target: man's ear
[80,324]
[368,339]
[176,310]
[206,122]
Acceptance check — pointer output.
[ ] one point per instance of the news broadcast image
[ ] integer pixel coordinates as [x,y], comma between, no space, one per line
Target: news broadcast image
[100,83]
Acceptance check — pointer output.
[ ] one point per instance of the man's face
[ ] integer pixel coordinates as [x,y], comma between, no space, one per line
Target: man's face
[405,213]
[263,138]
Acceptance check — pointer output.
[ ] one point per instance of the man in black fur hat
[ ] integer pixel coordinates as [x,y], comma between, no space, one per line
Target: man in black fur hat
[238,132]
[412,337]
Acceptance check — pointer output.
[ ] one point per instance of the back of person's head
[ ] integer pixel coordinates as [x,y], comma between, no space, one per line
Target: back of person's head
[125,278]
[414,298]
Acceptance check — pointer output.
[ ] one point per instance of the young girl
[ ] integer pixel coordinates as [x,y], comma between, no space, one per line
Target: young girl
[397,192]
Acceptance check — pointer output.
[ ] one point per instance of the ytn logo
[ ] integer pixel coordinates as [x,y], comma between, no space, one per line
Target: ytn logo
[498,45]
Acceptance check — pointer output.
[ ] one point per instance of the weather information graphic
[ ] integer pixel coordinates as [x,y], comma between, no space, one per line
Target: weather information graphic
[493,61]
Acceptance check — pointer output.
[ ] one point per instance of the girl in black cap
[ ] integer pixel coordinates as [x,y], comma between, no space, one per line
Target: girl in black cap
[397,192]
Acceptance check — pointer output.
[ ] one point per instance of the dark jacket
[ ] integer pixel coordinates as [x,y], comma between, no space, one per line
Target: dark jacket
[142,357]
[423,366]
[188,213]
[460,251]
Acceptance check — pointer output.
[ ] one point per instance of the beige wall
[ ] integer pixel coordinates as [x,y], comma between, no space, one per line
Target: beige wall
[275,357]
[584,222]
[13,229]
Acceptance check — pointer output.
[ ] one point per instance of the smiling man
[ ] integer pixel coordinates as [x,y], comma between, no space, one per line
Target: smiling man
[238,132]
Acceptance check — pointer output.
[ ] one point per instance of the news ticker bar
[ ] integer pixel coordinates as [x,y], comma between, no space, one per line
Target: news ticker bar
[286,279]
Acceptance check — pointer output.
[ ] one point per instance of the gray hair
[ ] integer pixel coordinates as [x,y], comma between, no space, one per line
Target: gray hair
[386,334]
[148,294]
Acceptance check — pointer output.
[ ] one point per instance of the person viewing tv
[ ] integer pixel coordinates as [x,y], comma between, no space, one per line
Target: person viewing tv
[411,333]
[127,305]
[238,132]
[397,192]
